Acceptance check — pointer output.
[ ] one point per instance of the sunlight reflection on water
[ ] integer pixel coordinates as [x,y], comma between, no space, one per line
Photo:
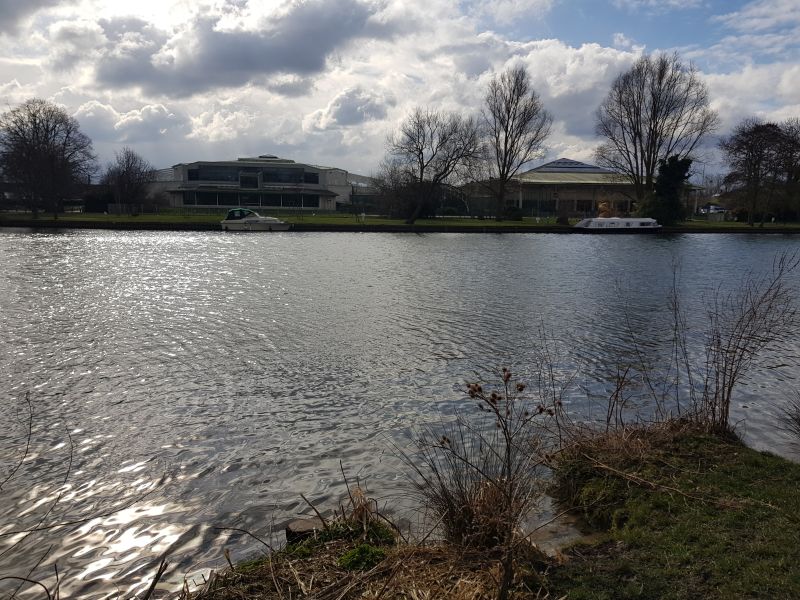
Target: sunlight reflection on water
[185,382]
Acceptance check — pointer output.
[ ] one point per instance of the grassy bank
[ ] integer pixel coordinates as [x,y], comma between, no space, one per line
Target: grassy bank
[672,513]
[680,514]
[345,222]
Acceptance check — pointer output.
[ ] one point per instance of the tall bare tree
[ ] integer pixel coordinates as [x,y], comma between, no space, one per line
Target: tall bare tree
[790,159]
[129,177]
[44,154]
[753,154]
[429,147]
[656,109]
[515,126]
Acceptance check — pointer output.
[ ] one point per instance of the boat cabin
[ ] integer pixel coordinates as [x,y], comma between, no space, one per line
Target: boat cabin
[240,213]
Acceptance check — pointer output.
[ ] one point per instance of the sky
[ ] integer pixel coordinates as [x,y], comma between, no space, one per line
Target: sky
[325,81]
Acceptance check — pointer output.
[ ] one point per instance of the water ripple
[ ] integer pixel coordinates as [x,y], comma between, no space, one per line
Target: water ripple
[183,382]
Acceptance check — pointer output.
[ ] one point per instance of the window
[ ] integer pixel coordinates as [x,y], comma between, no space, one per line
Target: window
[249,199]
[228,198]
[218,173]
[310,201]
[276,175]
[291,200]
[311,177]
[207,198]
[189,198]
[248,181]
[271,200]
[193,174]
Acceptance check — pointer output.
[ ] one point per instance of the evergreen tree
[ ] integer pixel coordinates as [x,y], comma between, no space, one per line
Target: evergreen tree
[666,203]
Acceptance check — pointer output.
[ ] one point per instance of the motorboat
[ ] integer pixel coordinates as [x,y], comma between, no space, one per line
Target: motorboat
[609,224]
[244,219]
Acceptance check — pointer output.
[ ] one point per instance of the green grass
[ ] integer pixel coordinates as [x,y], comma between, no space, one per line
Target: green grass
[334,219]
[719,521]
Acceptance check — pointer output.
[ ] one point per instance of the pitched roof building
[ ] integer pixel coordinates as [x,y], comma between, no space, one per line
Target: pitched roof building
[567,187]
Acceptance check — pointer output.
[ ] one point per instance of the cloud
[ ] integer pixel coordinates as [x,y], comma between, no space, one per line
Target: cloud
[763,15]
[573,81]
[506,12]
[622,41]
[222,124]
[74,42]
[151,122]
[12,12]
[657,6]
[202,56]
[353,106]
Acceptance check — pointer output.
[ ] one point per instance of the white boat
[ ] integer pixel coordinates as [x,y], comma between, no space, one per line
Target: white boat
[619,224]
[244,219]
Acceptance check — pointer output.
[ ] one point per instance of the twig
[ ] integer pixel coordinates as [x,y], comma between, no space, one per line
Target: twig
[314,508]
[27,444]
[25,579]
[32,569]
[435,525]
[161,568]
[346,484]
[641,481]
[256,538]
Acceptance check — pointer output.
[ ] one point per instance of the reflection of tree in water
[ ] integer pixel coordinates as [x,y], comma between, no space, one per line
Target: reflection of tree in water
[44,505]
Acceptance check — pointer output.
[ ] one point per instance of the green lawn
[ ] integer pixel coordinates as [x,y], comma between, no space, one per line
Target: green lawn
[689,516]
[334,219]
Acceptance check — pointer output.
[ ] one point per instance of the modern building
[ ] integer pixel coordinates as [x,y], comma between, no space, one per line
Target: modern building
[263,181]
[564,187]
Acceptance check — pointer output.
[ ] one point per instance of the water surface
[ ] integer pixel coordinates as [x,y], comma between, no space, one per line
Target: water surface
[186,381]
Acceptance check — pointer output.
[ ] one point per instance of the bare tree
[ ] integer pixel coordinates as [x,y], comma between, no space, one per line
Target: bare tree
[790,162]
[129,177]
[429,147]
[44,154]
[515,126]
[658,108]
[753,153]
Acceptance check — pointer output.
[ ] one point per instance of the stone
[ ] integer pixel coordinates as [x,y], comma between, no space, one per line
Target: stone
[300,529]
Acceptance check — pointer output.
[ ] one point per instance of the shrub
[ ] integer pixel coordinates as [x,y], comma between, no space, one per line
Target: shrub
[361,558]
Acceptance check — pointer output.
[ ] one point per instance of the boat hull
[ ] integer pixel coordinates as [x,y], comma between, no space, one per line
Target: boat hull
[616,230]
[254,226]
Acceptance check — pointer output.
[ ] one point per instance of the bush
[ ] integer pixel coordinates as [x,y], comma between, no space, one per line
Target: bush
[361,558]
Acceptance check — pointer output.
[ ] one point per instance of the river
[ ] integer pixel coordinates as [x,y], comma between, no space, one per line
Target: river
[182,382]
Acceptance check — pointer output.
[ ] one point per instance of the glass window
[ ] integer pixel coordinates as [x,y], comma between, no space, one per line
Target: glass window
[228,198]
[291,200]
[248,181]
[189,198]
[193,174]
[271,200]
[311,177]
[248,199]
[310,201]
[276,175]
[218,173]
[207,198]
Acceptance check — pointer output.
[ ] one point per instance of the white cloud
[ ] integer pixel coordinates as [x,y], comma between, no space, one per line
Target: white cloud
[353,106]
[148,123]
[763,15]
[657,6]
[506,12]
[623,42]
[13,12]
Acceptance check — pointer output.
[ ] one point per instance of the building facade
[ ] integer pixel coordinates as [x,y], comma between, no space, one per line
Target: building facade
[564,187]
[257,182]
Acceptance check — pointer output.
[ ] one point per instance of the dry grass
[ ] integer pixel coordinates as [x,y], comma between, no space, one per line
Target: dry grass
[407,572]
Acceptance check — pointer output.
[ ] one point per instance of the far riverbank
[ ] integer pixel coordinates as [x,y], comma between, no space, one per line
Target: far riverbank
[346,224]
